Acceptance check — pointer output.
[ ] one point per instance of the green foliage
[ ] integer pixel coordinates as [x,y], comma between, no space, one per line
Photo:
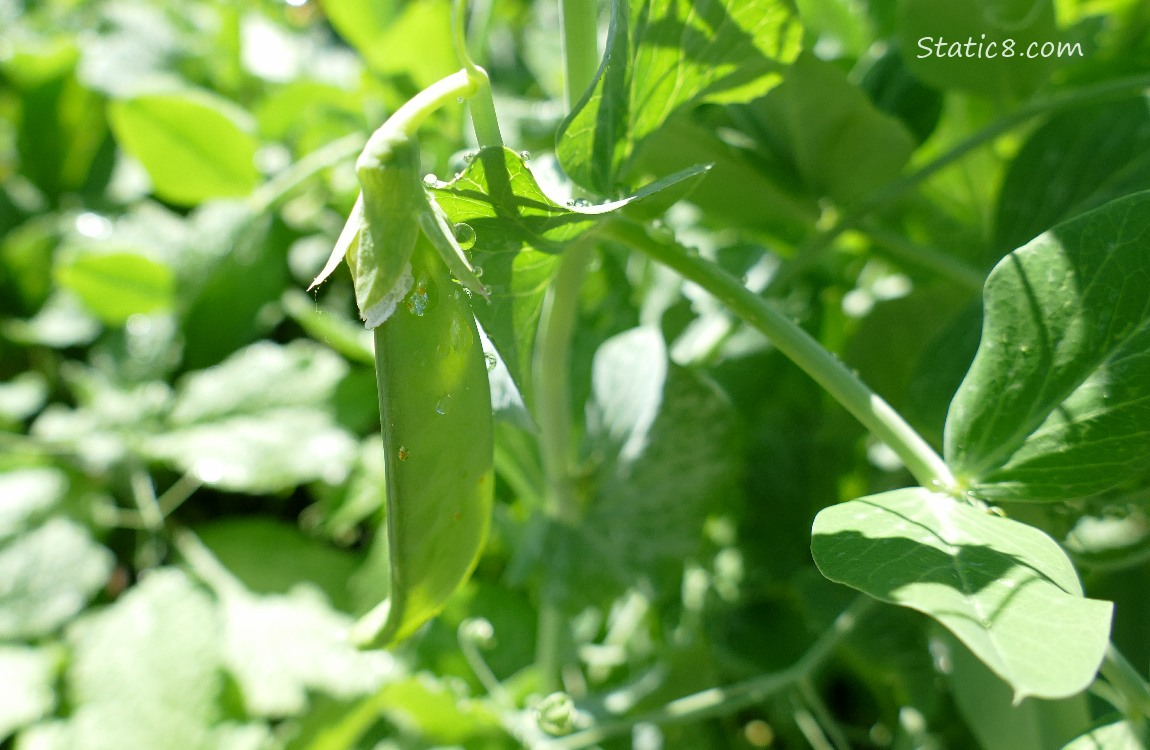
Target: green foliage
[570,474]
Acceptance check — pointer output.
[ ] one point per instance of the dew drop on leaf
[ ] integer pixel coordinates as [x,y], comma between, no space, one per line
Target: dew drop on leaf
[525,155]
[489,360]
[464,235]
[443,405]
[430,180]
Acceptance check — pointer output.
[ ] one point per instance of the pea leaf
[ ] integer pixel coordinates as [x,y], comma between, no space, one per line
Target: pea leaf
[46,576]
[1005,589]
[258,422]
[1056,401]
[646,510]
[995,72]
[27,690]
[28,495]
[117,285]
[194,145]
[1075,162]
[518,232]
[280,647]
[1111,735]
[168,694]
[665,55]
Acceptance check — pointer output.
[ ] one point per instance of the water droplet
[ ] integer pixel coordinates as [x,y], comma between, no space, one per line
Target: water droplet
[525,155]
[478,272]
[402,453]
[422,297]
[470,156]
[459,100]
[464,235]
[443,405]
[490,361]
[486,290]
[430,180]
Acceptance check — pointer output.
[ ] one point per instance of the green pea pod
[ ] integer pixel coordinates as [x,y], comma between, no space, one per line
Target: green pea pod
[435,409]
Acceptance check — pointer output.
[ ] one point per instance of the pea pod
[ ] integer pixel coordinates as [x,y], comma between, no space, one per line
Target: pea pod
[435,409]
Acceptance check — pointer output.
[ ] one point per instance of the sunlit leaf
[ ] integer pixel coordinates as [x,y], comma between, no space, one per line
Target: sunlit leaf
[1056,403]
[27,690]
[116,286]
[1005,589]
[194,145]
[668,54]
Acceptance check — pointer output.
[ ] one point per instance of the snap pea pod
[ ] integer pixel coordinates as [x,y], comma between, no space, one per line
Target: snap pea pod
[435,410]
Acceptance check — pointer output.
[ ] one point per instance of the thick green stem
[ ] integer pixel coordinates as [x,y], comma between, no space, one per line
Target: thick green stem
[405,121]
[482,106]
[580,47]
[1130,685]
[721,701]
[875,414]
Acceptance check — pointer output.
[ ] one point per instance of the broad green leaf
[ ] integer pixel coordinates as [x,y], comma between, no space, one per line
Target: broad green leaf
[840,143]
[27,690]
[258,422]
[1073,163]
[194,145]
[26,496]
[994,718]
[46,576]
[168,693]
[22,396]
[1005,589]
[270,557]
[664,55]
[1056,402]
[259,377]
[258,453]
[991,71]
[667,452]
[1114,735]
[362,22]
[518,232]
[435,411]
[116,286]
[280,647]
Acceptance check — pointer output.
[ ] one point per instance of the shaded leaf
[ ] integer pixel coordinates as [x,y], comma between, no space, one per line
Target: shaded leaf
[194,145]
[1005,589]
[1057,399]
[664,55]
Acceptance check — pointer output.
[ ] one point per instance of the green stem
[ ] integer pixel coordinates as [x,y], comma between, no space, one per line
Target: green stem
[482,106]
[875,414]
[721,701]
[277,189]
[405,121]
[580,47]
[1127,681]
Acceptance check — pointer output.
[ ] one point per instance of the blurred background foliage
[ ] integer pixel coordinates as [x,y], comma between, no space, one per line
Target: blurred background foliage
[190,470]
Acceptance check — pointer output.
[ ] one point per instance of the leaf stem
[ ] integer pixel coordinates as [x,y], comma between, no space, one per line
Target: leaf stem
[405,121]
[482,106]
[580,47]
[868,407]
[720,701]
[1127,681]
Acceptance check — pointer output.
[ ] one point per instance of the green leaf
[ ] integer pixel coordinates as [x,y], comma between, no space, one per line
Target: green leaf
[435,409]
[669,54]
[519,231]
[281,647]
[260,453]
[840,143]
[46,576]
[116,286]
[27,690]
[667,448]
[1056,402]
[431,708]
[922,24]
[1114,735]
[270,557]
[28,495]
[194,145]
[1075,162]
[994,718]
[168,693]
[1005,589]
[259,422]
